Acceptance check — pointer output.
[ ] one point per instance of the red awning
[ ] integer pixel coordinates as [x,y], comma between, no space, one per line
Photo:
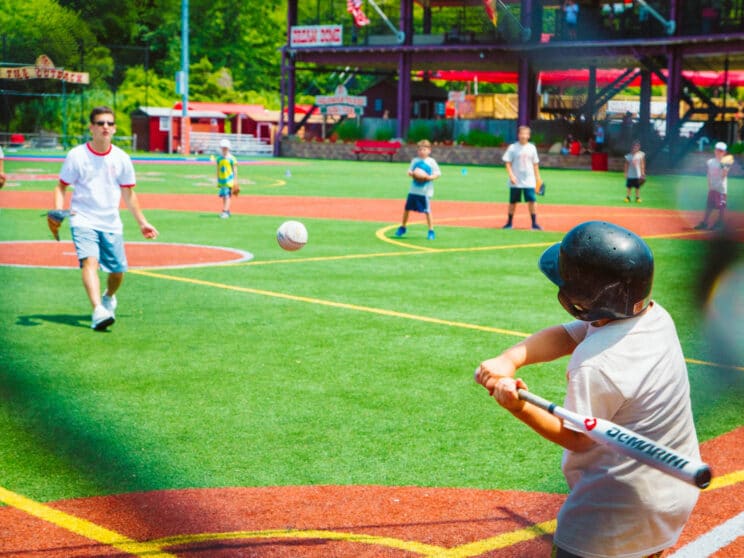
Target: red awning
[574,78]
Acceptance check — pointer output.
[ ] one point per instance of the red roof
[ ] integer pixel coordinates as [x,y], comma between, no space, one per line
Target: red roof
[227,108]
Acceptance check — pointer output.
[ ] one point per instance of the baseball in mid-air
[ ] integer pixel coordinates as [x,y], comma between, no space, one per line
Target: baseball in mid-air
[291,235]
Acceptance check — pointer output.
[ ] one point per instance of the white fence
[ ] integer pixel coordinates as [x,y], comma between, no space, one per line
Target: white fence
[50,140]
[242,144]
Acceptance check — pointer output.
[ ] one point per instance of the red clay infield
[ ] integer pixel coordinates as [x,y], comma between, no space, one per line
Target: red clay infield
[644,221]
[323,521]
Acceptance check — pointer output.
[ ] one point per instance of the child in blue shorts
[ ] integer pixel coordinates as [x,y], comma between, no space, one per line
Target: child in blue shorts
[423,171]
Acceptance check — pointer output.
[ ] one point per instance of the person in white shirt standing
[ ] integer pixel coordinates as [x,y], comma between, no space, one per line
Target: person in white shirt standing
[521,162]
[101,174]
[635,171]
[717,171]
[626,366]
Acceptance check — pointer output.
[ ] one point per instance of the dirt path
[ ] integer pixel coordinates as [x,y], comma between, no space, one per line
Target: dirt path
[560,218]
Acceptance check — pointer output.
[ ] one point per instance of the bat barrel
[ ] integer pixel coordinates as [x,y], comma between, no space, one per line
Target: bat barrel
[629,443]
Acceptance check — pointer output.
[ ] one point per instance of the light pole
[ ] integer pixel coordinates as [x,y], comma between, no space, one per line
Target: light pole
[185,124]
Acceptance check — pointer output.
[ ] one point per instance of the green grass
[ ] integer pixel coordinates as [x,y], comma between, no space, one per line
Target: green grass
[204,386]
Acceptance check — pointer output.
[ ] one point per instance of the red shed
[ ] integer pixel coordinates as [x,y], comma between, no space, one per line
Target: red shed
[154,125]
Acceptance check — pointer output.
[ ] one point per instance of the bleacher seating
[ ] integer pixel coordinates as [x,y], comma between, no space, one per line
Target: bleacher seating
[241,144]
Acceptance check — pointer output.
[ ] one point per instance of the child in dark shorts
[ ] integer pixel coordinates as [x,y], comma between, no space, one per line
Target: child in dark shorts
[717,175]
[635,171]
[423,171]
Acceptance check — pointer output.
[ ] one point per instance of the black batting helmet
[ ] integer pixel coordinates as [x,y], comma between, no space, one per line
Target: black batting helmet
[602,271]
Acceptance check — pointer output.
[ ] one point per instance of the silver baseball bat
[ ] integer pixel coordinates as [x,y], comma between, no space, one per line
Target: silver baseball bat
[627,442]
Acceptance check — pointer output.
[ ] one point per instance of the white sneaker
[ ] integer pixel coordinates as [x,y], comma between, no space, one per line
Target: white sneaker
[109,303]
[101,318]
[225,215]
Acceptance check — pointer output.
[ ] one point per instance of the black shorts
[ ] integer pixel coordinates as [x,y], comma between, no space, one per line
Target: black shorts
[515,195]
[633,183]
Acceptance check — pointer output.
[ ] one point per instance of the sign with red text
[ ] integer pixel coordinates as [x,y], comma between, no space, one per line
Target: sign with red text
[341,103]
[316,36]
[44,69]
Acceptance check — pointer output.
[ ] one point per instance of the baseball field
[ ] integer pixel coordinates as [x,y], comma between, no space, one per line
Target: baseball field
[256,402]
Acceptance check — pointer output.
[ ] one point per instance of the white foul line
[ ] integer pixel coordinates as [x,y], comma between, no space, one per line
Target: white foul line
[713,540]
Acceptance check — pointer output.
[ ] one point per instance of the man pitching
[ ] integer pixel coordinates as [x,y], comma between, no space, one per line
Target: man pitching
[101,174]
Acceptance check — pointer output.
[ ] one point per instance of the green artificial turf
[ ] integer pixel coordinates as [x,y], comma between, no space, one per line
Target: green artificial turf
[203,385]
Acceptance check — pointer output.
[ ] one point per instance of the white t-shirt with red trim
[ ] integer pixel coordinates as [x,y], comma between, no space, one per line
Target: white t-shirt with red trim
[97,179]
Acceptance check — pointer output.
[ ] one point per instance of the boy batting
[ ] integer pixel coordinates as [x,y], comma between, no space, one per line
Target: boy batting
[101,174]
[626,367]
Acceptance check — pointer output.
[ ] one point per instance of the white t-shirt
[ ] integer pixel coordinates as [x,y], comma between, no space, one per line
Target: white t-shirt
[98,179]
[717,179]
[2,155]
[523,159]
[634,164]
[432,168]
[633,373]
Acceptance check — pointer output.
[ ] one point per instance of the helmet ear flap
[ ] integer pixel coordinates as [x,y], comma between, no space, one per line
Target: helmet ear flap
[571,307]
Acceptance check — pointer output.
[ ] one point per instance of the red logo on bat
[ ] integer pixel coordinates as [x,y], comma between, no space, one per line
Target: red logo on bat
[590,423]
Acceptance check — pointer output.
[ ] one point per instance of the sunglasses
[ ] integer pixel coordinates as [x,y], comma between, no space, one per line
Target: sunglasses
[105,123]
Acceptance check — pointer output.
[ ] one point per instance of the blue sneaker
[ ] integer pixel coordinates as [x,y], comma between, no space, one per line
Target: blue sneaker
[400,232]
[536,227]
[507,226]
[430,235]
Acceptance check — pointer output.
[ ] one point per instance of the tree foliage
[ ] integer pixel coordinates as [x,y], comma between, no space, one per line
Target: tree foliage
[132,50]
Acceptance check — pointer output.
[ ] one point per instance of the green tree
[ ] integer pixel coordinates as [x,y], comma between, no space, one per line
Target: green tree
[37,27]
[241,36]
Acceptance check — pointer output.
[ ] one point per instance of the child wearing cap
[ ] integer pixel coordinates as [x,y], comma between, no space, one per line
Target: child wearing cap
[421,192]
[227,177]
[717,187]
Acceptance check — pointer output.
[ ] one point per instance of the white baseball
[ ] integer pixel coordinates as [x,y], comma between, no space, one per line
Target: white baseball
[291,235]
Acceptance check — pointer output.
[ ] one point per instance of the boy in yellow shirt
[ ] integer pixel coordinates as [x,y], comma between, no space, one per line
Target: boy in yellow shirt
[227,177]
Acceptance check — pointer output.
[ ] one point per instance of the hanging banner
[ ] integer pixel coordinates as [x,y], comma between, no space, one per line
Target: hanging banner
[44,69]
[341,103]
[491,11]
[354,7]
[316,35]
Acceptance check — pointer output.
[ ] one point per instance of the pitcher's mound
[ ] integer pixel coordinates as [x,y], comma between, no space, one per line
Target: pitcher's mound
[61,255]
